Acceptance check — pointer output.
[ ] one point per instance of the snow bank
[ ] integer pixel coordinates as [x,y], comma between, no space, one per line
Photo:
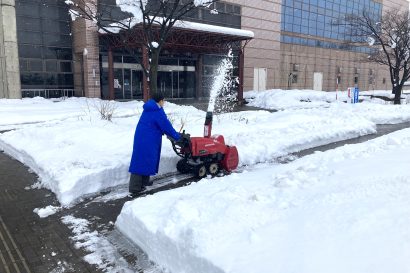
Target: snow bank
[344,210]
[16,113]
[74,159]
[279,99]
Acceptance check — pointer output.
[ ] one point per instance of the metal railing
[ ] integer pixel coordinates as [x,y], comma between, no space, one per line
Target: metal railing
[47,93]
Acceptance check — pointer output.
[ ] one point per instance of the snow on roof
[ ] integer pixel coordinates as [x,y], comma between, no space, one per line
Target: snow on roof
[213,28]
[114,28]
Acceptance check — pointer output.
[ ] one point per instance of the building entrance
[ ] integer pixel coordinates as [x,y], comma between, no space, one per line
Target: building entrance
[132,84]
[176,79]
[168,83]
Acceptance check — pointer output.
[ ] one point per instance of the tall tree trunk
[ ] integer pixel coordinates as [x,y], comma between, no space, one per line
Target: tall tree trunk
[397,94]
[153,81]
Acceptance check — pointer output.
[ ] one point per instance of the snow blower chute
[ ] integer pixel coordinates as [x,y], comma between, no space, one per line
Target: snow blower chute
[205,155]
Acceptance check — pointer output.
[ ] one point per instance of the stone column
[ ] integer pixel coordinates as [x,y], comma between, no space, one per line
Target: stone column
[10,86]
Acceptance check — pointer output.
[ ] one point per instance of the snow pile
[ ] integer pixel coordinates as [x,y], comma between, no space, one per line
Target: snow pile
[344,210]
[15,112]
[76,158]
[102,253]
[289,99]
[279,99]
[47,211]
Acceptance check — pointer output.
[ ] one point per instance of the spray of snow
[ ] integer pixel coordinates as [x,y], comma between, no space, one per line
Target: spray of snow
[222,81]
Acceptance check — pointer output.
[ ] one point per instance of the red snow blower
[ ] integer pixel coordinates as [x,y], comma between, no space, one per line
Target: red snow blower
[205,155]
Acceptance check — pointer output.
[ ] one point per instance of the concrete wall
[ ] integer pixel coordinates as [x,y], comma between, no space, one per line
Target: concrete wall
[332,64]
[263,18]
[9,62]
[400,4]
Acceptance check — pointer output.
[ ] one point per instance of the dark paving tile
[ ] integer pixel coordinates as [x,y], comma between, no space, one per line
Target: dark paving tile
[35,238]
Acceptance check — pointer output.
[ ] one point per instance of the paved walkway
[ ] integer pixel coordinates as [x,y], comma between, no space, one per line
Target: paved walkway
[27,242]
[30,244]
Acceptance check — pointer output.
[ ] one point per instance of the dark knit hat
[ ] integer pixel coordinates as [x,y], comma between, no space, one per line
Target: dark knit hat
[157,96]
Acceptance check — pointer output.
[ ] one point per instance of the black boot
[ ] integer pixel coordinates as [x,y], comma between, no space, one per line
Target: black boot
[136,184]
[145,181]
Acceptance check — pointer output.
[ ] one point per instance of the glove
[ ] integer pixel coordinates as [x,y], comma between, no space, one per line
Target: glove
[183,139]
[175,141]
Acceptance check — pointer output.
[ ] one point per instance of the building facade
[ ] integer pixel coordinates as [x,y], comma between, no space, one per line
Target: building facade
[296,45]
[313,49]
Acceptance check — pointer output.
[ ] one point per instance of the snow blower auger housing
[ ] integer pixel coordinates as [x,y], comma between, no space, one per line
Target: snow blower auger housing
[205,155]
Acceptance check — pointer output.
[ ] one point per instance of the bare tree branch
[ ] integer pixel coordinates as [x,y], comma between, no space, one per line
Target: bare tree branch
[391,43]
[158,17]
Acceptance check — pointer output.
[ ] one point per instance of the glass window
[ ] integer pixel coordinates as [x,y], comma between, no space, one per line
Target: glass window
[297,12]
[51,66]
[322,3]
[30,51]
[32,79]
[43,29]
[237,10]
[297,5]
[26,23]
[23,65]
[36,65]
[51,79]
[27,9]
[56,26]
[28,37]
[65,79]
[65,67]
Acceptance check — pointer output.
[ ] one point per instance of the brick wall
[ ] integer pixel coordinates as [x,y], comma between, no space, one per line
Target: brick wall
[86,57]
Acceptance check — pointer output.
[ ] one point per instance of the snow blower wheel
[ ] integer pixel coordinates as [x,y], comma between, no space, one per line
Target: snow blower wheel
[213,169]
[182,166]
[201,171]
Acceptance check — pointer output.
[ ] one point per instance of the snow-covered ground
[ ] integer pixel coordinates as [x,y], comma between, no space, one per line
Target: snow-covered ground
[265,219]
[344,210]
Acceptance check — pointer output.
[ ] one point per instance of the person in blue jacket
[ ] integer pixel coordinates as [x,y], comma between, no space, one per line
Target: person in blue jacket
[147,143]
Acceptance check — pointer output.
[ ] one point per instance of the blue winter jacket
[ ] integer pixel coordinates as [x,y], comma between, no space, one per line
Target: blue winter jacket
[148,139]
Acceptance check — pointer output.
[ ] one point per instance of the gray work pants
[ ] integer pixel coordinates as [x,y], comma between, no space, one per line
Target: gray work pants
[137,182]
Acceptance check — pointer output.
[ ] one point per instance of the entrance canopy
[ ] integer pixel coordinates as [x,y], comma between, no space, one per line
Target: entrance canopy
[183,37]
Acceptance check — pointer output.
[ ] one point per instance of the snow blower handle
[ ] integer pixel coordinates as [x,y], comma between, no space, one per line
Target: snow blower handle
[208,125]
[180,146]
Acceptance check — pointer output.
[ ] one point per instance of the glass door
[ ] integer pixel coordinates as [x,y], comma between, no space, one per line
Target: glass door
[136,84]
[127,84]
[168,83]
